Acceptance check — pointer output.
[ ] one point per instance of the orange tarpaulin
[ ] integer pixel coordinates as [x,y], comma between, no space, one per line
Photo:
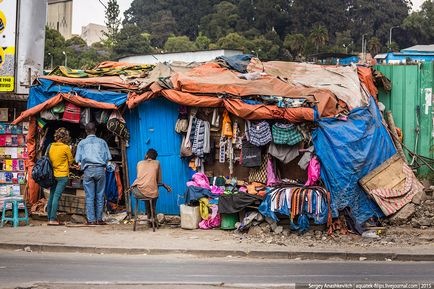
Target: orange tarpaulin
[189,99]
[134,99]
[73,98]
[366,77]
[261,111]
[211,78]
[105,81]
[239,108]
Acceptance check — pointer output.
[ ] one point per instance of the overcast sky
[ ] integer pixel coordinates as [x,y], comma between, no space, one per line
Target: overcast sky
[91,11]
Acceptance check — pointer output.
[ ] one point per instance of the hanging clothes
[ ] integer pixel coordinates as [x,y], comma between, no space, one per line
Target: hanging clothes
[111,187]
[283,153]
[299,203]
[201,138]
[118,182]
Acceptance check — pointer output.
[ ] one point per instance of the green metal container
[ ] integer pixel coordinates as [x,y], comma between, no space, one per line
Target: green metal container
[228,221]
[411,101]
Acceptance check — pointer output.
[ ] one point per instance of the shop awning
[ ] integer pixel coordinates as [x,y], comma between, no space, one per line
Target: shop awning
[47,89]
[73,98]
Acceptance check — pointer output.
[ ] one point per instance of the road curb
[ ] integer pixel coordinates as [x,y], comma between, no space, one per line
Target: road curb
[303,255]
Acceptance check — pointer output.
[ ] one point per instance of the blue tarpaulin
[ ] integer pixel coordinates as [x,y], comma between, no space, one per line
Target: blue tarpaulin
[237,62]
[349,150]
[48,89]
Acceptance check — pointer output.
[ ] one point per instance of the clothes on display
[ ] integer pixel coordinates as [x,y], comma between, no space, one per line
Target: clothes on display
[260,133]
[251,155]
[297,201]
[286,134]
[283,153]
[233,203]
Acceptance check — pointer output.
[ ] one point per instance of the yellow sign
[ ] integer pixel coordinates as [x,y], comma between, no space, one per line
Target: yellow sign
[2,22]
[8,16]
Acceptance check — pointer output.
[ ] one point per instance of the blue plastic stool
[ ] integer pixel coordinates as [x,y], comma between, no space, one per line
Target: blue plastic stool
[15,217]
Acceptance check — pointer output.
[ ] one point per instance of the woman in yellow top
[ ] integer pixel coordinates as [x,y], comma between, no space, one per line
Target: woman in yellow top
[61,158]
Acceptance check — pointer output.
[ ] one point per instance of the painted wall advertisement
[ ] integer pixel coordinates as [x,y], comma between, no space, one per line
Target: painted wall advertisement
[8,15]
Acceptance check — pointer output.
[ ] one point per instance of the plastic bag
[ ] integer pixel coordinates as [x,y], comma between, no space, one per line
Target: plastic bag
[85,116]
[272,179]
[313,172]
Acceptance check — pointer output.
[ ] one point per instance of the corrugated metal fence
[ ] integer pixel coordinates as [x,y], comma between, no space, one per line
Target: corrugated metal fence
[152,125]
[411,103]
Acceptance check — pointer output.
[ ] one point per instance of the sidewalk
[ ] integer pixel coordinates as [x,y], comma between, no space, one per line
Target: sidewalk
[120,239]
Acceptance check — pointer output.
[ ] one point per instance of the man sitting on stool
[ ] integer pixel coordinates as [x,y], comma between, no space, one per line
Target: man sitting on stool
[148,180]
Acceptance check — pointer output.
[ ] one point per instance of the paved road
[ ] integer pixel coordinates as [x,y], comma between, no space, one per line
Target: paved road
[26,268]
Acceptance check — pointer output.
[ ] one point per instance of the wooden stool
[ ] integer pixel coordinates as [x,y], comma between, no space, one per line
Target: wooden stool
[151,206]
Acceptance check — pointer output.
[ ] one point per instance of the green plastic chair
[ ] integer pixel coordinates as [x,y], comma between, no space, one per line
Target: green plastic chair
[15,219]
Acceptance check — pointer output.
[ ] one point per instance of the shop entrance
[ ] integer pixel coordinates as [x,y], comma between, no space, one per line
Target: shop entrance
[153,122]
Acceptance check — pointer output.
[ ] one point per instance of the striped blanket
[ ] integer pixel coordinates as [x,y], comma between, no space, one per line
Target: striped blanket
[392,200]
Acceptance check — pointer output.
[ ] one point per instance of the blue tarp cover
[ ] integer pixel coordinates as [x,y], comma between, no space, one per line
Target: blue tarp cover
[48,89]
[349,150]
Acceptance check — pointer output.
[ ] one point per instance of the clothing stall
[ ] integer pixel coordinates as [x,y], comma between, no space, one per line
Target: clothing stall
[69,110]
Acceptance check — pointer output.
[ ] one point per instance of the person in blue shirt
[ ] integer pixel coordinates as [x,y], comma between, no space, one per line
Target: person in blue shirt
[92,155]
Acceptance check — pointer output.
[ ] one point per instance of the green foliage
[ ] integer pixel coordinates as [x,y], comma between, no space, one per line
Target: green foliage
[112,21]
[374,46]
[264,48]
[420,24]
[223,21]
[79,55]
[344,42]
[327,25]
[179,43]
[295,43]
[202,42]
[131,40]
[234,41]
[319,36]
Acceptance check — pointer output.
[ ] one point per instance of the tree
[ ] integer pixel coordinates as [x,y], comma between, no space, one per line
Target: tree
[375,18]
[54,45]
[179,44]
[265,48]
[331,14]
[235,41]
[319,36]
[295,43]
[131,40]
[420,25]
[223,21]
[112,21]
[202,42]
[374,45]
[344,42]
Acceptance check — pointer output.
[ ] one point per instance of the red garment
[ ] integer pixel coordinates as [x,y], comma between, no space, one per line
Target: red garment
[118,183]
[72,113]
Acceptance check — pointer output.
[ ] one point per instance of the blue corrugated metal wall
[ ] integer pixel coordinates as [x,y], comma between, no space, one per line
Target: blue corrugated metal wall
[152,125]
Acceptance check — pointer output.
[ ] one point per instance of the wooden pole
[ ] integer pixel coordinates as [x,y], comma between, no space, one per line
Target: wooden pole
[392,126]
[126,177]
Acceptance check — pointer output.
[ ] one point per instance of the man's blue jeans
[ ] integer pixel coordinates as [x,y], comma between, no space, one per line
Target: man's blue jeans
[55,193]
[94,186]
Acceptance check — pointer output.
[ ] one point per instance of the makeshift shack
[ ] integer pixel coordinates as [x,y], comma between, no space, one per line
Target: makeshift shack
[240,135]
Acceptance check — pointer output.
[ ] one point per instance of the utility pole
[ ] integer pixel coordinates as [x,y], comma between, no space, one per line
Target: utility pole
[364,47]
[66,58]
[51,60]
